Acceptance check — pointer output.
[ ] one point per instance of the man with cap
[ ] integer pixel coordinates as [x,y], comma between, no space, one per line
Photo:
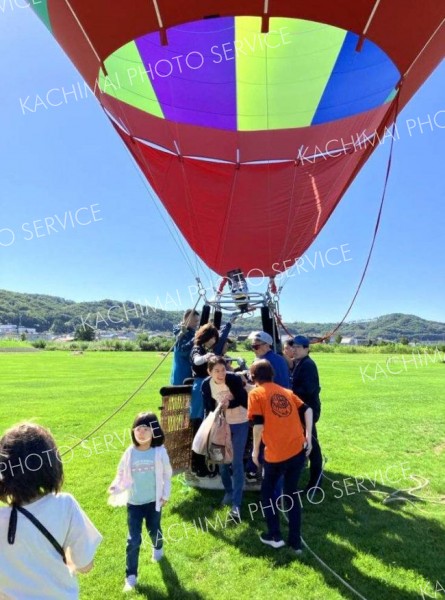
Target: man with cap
[306,385]
[262,346]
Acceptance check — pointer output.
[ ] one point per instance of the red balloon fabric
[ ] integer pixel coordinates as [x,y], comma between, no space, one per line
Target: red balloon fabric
[250,119]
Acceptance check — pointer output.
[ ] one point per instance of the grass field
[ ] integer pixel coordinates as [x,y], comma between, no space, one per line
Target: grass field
[382,430]
[12,343]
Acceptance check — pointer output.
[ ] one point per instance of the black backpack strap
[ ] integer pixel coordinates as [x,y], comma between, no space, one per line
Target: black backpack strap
[13,527]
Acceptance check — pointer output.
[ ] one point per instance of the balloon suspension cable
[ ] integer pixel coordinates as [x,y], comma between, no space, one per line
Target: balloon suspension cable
[283,326]
[272,285]
[123,124]
[239,299]
[275,333]
[377,224]
[318,339]
[128,400]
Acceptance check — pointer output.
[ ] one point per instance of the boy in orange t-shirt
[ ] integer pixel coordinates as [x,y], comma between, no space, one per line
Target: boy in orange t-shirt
[275,412]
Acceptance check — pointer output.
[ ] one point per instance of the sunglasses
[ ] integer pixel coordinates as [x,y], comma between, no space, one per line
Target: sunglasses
[142,428]
[256,346]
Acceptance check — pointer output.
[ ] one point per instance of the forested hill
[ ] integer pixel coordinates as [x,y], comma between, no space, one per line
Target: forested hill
[51,313]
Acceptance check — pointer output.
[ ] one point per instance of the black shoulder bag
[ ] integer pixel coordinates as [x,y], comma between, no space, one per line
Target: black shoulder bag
[13,528]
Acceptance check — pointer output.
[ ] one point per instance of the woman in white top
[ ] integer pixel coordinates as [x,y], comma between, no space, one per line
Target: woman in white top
[227,389]
[31,477]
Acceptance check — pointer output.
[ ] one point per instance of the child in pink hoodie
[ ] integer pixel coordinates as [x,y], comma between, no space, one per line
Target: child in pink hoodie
[142,483]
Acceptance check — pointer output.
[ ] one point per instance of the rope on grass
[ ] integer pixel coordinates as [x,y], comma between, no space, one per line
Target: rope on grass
[323,564]
[121,406]
[393,497]
[315,555]
[328,568]
[321,561]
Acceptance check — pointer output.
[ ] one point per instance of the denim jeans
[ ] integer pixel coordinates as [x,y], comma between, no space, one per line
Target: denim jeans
[315,460]
[290,470]
[235,489]
[136,513]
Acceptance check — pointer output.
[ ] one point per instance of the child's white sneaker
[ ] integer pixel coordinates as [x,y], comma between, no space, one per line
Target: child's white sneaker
[130,583]
[158,553]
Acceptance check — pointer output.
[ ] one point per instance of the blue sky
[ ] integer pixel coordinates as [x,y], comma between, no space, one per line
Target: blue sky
[62,159]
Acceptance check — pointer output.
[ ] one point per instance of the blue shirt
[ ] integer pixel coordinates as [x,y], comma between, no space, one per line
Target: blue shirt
[280,367]
[143,474]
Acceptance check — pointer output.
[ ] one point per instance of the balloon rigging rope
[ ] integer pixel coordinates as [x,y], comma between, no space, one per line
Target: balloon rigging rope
[119,408]
[176,236]
[153,371]
[172,230]
[225,226]
[120,107]
[393,497]
[328,568]
[376,229]
[290,211]
[190,210]
[128,400]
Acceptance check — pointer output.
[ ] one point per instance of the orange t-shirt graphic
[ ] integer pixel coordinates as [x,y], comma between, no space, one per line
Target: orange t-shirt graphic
[283,434]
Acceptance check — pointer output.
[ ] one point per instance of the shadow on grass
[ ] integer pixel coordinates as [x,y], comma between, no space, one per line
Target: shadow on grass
[205,512]
[347,524]
[173,584]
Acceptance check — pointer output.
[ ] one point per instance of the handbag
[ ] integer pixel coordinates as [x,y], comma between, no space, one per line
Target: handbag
[219,446]
[199,444]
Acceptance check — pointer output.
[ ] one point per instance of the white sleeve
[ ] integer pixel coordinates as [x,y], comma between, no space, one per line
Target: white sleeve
[120,470]
[167,475]
[201,360]
[82,537]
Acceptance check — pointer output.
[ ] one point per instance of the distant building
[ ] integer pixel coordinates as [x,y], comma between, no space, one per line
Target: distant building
[10,329]
[131,335]
[350,341]
[26,330]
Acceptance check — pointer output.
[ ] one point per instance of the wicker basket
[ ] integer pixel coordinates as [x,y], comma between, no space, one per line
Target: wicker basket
[175,422]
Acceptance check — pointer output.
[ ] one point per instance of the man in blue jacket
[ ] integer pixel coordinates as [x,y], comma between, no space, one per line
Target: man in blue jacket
[262,346]
[306,385]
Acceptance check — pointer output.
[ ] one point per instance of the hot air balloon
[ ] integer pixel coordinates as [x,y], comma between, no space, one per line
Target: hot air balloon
[250,119]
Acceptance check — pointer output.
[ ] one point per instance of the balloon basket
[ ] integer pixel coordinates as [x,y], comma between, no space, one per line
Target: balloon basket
[175,423]
[215,483]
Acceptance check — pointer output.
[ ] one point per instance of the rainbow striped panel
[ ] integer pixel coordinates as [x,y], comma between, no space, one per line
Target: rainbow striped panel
[223,73]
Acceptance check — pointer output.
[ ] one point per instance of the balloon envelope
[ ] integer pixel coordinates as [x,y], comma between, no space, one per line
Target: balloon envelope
[250,139]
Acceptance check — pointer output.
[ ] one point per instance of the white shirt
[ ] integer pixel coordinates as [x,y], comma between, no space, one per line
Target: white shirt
[31,568]
[220,392]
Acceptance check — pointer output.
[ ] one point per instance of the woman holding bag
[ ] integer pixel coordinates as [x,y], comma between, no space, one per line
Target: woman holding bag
[226,390]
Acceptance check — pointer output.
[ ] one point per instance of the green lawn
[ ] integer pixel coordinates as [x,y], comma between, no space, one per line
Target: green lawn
[14,344]
[369,429]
